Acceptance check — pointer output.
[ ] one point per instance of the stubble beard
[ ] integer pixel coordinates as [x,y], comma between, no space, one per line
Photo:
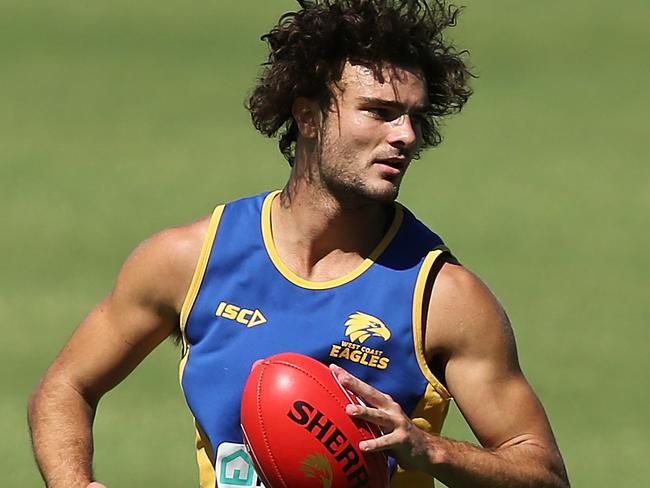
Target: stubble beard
[346,186]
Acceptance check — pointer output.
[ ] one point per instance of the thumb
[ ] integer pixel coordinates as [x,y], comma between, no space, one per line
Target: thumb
[95,484]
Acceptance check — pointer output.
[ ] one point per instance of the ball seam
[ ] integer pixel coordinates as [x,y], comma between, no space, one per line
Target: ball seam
[264,436]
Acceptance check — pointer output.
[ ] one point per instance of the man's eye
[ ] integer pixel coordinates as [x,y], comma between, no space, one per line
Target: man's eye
[380,113]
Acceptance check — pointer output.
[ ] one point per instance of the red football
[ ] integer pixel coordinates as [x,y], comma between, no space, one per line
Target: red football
[296,429]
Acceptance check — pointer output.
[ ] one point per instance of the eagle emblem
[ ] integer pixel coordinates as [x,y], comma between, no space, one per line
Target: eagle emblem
[360,326]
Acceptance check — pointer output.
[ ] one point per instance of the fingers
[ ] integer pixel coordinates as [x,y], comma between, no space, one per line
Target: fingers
[406,442]
[380,417]
[381,410]
[393,425]
[386,442]
[364,390]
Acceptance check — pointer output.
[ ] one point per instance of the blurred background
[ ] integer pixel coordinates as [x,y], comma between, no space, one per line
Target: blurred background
[118,119]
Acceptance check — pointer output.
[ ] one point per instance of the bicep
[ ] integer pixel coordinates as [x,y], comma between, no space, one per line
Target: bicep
[482,369]
[500,406]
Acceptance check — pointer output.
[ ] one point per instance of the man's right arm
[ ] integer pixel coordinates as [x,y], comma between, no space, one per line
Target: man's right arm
[139,313]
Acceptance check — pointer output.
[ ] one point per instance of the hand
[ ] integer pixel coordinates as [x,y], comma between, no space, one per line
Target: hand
[411,446]
[96,484]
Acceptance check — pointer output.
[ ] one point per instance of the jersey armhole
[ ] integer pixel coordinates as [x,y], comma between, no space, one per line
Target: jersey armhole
[199,271]
[418,326]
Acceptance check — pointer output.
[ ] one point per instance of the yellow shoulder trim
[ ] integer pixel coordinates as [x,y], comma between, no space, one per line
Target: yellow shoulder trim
[197,278]
[418,328]
[199,271]
[204,452]
[267,234]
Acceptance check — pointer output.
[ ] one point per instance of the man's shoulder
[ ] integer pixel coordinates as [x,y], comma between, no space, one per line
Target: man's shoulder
[176,250]
[455,282]
[178,244]
[462,309]
[162,266]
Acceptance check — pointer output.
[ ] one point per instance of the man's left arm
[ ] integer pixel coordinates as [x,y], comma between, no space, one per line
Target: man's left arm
[467,326]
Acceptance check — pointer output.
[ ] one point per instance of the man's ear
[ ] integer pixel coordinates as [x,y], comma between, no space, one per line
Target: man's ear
[307,115]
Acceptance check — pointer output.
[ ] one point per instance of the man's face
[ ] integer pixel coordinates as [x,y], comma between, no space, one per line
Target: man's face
[372,132]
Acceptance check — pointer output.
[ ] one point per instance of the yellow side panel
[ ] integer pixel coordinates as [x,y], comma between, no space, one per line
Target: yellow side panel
[204,453]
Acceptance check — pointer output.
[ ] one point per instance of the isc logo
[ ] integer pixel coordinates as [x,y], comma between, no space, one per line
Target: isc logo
[250,318]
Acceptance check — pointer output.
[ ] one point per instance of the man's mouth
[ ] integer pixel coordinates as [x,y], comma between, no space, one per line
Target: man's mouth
[398,163]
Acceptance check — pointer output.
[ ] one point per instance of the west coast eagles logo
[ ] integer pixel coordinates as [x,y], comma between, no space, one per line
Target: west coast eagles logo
[359,327]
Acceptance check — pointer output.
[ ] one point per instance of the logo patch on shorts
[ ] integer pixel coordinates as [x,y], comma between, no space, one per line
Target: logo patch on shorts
[234,467]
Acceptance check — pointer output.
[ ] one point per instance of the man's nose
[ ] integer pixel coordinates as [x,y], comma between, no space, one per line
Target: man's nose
[402,131]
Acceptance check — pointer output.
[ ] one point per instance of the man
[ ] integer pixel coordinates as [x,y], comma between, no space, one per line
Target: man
[330,266]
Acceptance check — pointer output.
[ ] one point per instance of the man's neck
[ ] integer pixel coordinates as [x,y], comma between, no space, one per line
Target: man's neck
[321,238]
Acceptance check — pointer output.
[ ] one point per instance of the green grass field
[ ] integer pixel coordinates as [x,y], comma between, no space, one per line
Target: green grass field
[118,119]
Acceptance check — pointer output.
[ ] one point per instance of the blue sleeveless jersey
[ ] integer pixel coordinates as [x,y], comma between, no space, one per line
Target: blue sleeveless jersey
[244,304]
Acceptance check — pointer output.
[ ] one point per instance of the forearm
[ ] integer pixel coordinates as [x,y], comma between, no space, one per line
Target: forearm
[60,421]
[520,464]
[525,461]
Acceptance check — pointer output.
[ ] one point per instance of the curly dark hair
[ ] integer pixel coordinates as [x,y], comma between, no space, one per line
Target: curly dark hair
[309,49]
